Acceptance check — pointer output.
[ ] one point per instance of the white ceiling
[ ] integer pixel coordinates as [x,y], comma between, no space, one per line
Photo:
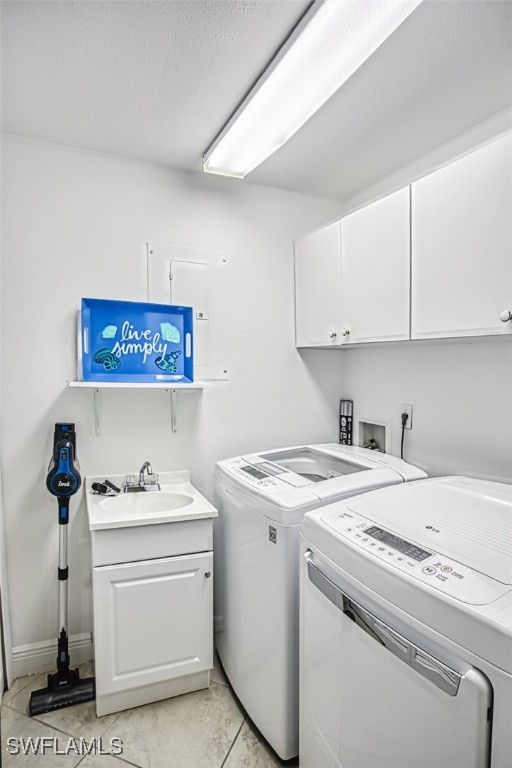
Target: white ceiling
[156,81]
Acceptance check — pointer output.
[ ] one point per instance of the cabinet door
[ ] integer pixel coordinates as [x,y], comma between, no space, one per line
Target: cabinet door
[462,246]
[153,621]
[317,287]
[375,277]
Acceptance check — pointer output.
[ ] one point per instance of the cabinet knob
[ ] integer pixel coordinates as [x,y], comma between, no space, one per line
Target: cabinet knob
[345,331]
[505,316]
[333,334]
[207,574]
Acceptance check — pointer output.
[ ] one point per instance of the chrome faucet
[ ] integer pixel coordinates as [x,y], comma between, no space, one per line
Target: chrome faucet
[151,483]
[147,482]
[145,466]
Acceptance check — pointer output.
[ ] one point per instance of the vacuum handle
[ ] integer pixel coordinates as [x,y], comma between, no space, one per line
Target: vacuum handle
[63,510]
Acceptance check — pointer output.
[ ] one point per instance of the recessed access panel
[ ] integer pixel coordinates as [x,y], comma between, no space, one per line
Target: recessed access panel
[193,277]
[189,287]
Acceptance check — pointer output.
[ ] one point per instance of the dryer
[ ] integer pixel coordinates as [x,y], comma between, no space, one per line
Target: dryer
[406,628]
[262,499]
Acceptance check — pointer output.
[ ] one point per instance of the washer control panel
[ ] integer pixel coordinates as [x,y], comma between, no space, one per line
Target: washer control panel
[432,568]
[260,475]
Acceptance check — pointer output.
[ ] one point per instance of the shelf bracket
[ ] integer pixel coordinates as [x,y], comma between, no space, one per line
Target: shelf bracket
[97,390]
[97,411]
[174,404]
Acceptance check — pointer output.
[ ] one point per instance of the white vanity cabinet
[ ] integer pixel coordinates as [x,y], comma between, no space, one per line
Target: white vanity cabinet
[153,627]
[152,595]
[318,288]
[462,246]
[375,259]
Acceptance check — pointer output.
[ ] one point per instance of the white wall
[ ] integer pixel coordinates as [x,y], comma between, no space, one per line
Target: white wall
[3,589]
[461,393]
[6,670]
[75,225]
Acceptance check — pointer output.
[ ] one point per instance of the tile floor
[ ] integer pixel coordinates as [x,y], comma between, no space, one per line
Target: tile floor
[204,729]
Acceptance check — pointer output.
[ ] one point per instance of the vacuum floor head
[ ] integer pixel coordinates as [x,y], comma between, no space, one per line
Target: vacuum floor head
[58,695]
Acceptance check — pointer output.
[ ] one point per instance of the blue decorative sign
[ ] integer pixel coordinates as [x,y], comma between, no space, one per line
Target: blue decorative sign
[133,341]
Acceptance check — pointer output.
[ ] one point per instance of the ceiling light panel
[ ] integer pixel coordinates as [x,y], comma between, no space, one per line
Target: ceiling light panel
[331,45]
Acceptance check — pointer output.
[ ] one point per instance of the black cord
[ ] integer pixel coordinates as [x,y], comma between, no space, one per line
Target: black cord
[405,416]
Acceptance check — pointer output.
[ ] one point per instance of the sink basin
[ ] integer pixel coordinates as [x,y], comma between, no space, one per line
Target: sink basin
[177,501]
[150,503]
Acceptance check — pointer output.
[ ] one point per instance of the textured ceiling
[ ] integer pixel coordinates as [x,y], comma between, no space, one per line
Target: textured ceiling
[149,80]
[156,81]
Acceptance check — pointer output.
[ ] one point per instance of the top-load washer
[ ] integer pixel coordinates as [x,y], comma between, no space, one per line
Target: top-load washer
[406,628]
[262,499]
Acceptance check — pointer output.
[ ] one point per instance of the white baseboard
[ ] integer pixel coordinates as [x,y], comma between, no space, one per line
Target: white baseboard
[42,657]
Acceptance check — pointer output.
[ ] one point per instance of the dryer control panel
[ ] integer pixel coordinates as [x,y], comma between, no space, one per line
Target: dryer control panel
[432,568]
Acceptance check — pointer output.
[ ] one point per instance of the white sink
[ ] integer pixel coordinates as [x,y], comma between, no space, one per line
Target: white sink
[147,502]
[177,500]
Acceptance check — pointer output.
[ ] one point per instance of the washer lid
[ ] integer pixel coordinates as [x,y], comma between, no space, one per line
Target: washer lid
[285,495]
[330,461]
[313,465]
[465,519]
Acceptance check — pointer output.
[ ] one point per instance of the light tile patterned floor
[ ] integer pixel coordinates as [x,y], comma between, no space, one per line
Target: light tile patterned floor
[204,729]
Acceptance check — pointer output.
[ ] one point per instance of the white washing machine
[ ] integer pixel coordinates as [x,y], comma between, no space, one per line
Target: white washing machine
[261,500]
[406,628]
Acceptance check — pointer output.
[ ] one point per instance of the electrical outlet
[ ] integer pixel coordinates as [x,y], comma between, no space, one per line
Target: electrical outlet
[407,408]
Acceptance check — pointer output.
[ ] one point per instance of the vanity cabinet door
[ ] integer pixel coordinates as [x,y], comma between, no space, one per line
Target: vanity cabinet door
[462,246]
[318,288]
[153,621]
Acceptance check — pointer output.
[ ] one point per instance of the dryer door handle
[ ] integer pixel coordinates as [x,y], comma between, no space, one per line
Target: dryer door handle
[419,660]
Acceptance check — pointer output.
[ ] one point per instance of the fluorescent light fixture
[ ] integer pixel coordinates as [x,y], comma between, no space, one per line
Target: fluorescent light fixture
[334,38]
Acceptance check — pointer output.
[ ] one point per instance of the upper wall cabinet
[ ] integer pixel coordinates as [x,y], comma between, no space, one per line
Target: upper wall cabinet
[318,287]
[462,246]
[375,257]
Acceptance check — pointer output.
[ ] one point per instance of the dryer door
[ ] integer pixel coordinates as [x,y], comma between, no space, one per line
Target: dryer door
[372,699]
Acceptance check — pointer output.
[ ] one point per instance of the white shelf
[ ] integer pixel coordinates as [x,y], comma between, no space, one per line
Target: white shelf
[141,385]
[174,387]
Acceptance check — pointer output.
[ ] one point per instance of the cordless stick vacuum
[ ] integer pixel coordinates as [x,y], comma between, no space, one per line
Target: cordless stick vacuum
[64,687]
